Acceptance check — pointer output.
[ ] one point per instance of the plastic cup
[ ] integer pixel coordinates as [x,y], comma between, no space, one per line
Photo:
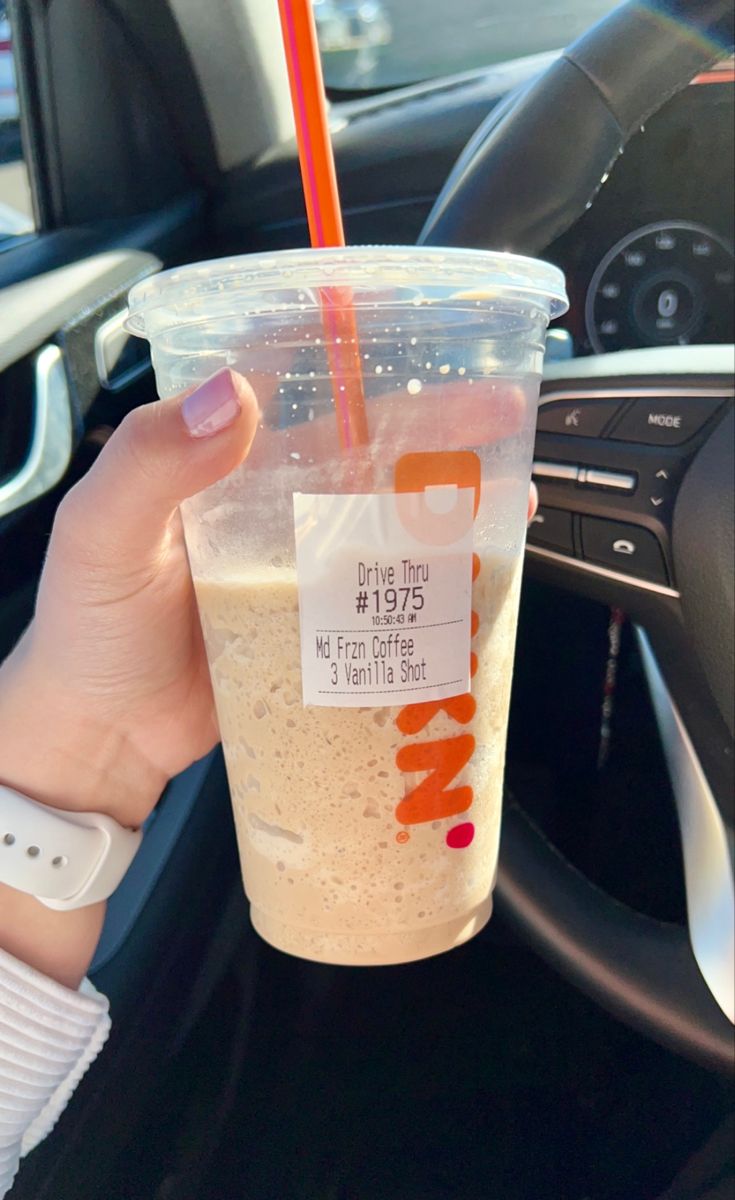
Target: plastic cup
[359,604]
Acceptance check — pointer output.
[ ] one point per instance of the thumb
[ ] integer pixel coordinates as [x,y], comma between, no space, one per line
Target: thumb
[160,454]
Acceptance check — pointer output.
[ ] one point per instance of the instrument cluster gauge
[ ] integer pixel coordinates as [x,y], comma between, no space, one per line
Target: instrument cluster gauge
[666,284]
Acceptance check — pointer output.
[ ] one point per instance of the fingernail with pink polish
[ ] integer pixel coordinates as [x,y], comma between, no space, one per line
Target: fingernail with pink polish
[212,407]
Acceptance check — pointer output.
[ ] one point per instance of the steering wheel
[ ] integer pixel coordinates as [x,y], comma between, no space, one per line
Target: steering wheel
[635,466]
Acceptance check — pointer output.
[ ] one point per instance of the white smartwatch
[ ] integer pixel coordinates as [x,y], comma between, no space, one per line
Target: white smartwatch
[65,859]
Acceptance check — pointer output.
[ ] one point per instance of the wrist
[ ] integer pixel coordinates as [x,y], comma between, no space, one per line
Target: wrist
[56,750]
[59,944]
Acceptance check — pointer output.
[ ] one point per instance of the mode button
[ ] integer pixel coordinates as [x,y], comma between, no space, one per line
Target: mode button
[665,421]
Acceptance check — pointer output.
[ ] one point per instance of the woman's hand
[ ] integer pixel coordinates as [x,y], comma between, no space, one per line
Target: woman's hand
[107,695]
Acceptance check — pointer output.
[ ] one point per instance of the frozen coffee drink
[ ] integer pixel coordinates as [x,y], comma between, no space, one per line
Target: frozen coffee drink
[359,598]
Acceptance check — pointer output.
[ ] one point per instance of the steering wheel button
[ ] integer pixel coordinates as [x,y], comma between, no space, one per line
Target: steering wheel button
[629,549]
[552,527]
[619,480]
[665,420]
[563,472]
[581,418]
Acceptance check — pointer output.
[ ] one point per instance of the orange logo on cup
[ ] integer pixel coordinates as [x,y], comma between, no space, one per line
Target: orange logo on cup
[433,798]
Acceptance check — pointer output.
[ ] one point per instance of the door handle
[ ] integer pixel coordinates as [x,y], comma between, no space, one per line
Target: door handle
[51,443]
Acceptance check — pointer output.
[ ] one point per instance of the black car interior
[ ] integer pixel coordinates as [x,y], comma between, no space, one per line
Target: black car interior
[580,1046]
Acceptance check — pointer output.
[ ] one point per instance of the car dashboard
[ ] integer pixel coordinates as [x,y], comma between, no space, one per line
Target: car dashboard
[650,263]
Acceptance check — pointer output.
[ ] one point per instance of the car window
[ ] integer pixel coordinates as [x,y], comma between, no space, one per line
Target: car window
[369,44]
[16,212]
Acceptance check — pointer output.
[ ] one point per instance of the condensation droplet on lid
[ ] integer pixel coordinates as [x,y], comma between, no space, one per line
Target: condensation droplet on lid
[378,370]
[444,369]
[461,370]
[295,454]
[414,386]
[428,366]
[413,341]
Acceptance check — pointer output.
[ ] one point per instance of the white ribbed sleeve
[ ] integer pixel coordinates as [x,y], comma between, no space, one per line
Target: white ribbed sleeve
[49,1036]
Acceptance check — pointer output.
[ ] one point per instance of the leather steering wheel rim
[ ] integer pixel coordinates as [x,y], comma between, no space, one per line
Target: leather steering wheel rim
[527,174]
[527,177]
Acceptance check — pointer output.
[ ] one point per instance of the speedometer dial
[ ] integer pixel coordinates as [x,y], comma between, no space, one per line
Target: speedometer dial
[663,285]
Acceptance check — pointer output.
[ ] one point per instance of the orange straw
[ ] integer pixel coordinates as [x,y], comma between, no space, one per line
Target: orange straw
[324,214]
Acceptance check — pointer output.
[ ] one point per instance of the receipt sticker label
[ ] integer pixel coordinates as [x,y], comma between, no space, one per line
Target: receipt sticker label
[385,585]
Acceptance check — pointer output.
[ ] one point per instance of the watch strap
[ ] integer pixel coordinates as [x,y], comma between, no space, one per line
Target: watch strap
[64,859]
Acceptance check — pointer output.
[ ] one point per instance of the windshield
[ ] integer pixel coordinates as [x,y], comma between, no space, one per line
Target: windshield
[372,44]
